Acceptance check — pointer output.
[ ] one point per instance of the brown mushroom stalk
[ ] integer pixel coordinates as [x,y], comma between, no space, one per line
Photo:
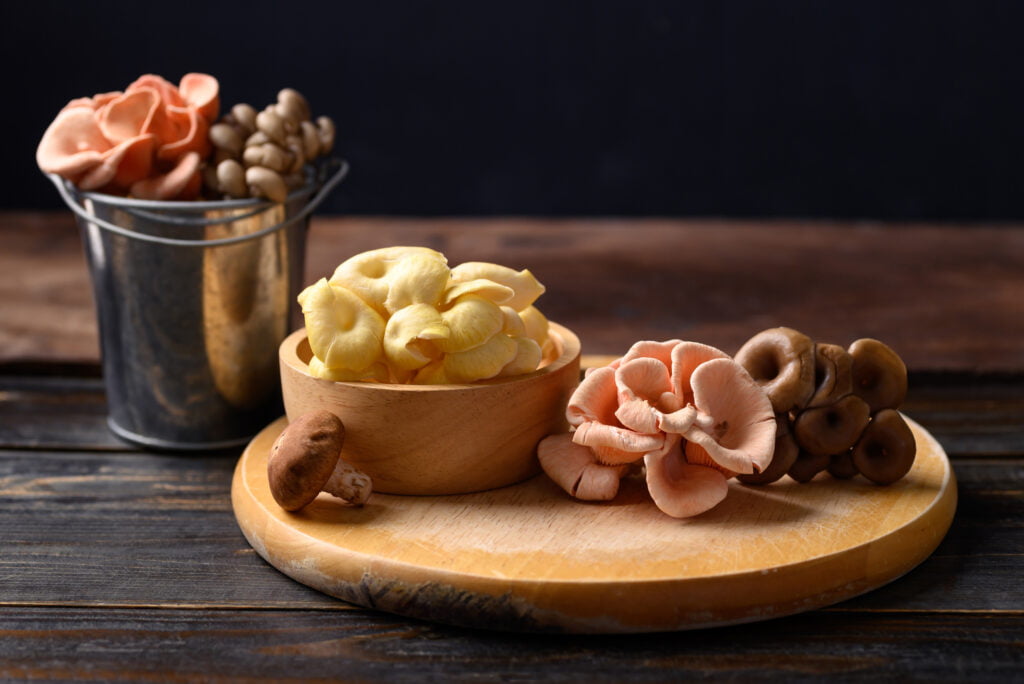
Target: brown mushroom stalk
[305,460]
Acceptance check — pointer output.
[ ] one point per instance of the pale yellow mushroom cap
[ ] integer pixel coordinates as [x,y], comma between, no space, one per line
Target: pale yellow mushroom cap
[399,314]
[472,321]
[526,360]
[417,279]
[344,332]
[528,351]
[523,284]
[410,336]
[488,289]
[377,372]
[512,323]
[536,326]
[372,275]
[482,362]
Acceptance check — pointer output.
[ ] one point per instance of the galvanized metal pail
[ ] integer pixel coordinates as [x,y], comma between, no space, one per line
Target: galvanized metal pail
[193,300]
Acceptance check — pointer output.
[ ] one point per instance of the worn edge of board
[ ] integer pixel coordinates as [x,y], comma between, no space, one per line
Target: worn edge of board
[671,604]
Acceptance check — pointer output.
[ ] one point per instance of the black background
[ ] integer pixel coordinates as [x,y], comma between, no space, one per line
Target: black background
[886,110]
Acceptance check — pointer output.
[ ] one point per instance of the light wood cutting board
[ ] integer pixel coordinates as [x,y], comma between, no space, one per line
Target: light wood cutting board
[528,557]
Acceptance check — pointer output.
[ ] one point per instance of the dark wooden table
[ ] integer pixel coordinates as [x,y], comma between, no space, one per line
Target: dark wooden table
[120,564]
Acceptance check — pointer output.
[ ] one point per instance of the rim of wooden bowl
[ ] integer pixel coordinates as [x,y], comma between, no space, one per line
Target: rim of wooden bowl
[289,354]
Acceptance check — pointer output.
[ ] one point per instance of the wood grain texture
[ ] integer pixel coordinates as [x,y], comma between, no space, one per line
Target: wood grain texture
[527,557]
[135,529]
[917,287]
[129,566]
[310,646]
[972,416]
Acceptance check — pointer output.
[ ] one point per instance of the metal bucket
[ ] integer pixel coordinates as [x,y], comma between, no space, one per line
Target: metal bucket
[193,300]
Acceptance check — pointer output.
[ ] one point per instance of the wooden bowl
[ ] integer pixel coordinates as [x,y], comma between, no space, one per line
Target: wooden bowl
[440,439]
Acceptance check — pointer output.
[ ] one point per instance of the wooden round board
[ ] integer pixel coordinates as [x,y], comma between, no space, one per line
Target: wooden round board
[528,557]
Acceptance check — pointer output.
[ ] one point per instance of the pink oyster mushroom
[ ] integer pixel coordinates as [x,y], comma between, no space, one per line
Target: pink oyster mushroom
[693,416]
[147,142]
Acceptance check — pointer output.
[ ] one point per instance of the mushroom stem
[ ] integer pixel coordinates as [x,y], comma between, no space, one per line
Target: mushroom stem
[349,484]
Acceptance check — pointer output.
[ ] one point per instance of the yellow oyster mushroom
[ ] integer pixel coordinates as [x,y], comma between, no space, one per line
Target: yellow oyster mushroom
[480,363]
[410,334]
[344,332]
[432,374]
[377,372]
[371,275]
[512,323]
[536,324]
[527,358]
[472,321]
[488,289]
[523,284]
[416,279]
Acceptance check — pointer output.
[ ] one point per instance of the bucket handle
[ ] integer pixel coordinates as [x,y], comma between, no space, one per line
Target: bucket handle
[310,206]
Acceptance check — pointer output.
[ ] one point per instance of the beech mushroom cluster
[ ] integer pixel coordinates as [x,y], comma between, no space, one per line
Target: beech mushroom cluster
[263,154]
[305,460]
[687,412]
[835,408]
[401,315]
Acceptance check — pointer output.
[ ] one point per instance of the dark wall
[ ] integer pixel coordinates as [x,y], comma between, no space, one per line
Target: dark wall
[891,110]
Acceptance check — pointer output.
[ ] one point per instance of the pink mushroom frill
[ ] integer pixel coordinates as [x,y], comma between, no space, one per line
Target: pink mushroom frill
[692,414]
[147,142]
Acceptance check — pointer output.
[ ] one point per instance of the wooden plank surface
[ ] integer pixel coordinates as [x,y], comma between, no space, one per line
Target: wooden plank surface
[946,297]
[972,417]
[117,564]
[123,528]
[311,646]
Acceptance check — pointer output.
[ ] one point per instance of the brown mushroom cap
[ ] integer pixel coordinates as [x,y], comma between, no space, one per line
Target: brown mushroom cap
[841,466]
[807,466]
[879,374]
[833,374]
[303,458]
[781,361]
[886,450]
[833,429]
[783,457]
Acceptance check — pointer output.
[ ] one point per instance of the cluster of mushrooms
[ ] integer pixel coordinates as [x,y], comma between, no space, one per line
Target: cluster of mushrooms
[692,415]
[264,153]
[836,408]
